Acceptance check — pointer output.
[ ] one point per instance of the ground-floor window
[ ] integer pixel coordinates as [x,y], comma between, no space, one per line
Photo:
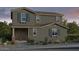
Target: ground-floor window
[34,31]
[54,31]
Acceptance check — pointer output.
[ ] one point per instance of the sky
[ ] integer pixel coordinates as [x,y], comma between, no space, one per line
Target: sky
[70,13]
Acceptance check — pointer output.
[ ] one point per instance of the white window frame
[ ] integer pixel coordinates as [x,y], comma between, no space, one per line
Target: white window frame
[57,18]
[34,31]
[54,30]
[23,15]
[37,18]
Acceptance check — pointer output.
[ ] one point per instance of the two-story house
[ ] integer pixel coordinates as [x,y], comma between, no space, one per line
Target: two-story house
[38,26]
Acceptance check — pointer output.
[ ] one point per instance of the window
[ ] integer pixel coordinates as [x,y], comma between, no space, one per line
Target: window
[37,18]
[23,17]
[54,32]
[34,32]
[57,18]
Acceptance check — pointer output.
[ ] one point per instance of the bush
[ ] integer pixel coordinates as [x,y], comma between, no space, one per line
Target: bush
[30,41]
[40,42]
[3,40]
[45,41]
[72,39]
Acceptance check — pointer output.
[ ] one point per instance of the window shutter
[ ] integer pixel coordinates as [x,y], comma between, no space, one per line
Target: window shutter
[19,17]
[27,17]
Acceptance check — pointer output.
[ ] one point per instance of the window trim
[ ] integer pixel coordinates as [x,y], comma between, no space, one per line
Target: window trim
[57,18]
[37,18]
[23,17]
[34,31]
[54,31]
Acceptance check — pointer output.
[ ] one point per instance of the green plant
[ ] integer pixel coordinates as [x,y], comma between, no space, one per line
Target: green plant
[49,42]
[3,40]
[40,42]
[73,38]
[31,41]
[45,41]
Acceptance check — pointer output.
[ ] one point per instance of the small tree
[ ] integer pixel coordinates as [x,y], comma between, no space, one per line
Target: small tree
[5,31]
[73,28]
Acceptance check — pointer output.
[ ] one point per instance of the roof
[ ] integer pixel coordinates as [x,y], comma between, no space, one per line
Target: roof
[23,8]
[48,13]
[38,26]
[38,12]
[54,24]
[61,26]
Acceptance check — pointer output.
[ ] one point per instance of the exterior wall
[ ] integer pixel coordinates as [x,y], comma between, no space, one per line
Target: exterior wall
[30,34]
[62,34]
[16,22]
[43,33]
[44,19]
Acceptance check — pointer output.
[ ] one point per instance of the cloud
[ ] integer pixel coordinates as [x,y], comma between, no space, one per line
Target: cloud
[71,13]
[5,12]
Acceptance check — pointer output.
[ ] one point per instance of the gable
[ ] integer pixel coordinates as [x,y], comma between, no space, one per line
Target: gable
[22,9]
[52,24]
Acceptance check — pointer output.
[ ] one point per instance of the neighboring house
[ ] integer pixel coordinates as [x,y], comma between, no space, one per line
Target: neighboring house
[37,26]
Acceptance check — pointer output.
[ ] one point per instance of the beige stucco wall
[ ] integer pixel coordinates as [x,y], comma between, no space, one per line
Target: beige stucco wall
[43,33]
[48,19]
[31,18]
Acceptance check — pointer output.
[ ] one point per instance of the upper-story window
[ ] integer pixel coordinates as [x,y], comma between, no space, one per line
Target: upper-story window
[58,18]
[23,17]
[37,19]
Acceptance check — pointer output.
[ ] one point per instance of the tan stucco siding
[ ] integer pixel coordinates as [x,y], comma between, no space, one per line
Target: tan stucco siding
[31,17]
[30,34]
[62,34]
[43,33]
[47,19]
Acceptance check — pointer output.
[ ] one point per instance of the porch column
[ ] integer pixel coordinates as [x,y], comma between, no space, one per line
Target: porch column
[13,35]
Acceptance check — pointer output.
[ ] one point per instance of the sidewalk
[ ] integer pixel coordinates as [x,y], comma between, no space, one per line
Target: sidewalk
[25,47]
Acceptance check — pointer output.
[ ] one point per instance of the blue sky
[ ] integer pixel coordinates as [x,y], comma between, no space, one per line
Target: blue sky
[71,13]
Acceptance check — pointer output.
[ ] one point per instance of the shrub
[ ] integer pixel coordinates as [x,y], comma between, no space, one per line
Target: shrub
[30,41]
[72,39]
[49,42]
[45,41]
[40,42]
[3,40]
